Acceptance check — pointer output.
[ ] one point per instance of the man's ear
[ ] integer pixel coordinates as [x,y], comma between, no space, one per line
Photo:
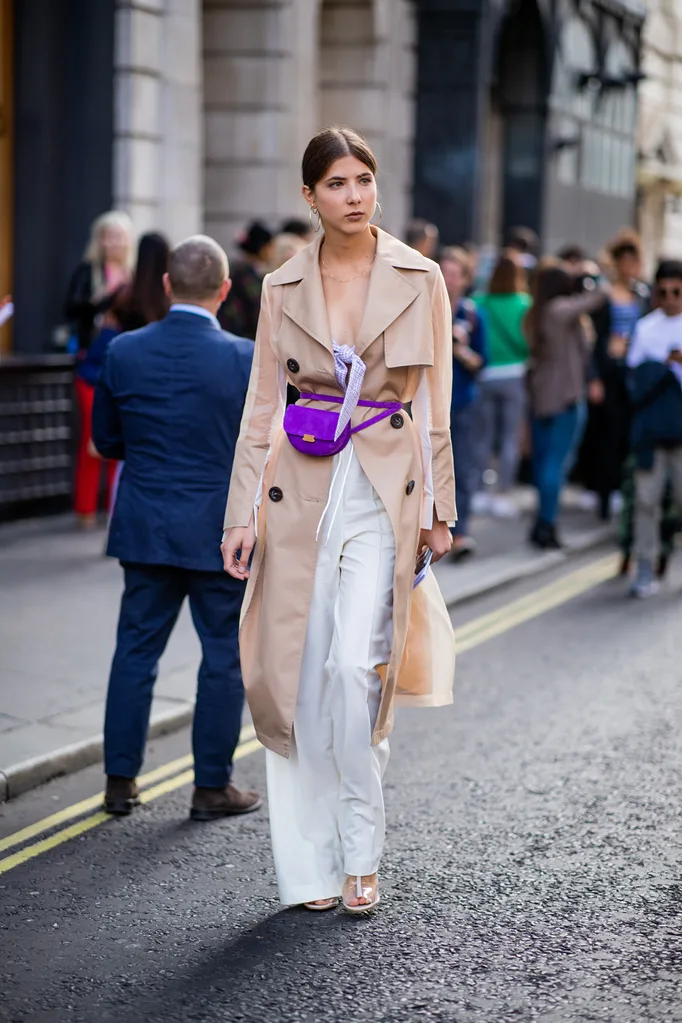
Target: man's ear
[225,289]
[167,285]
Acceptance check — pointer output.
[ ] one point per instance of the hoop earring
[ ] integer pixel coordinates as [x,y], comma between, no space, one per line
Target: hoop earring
[381,213]
[313,209]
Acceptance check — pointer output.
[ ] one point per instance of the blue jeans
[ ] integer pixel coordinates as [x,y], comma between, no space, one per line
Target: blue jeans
[554,439]
[150,605]
[462,431]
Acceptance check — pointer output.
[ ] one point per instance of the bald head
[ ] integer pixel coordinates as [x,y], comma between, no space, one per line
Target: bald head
[197,270]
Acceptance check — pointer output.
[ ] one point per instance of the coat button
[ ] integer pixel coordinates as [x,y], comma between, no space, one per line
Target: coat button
[409,488]
[292,366]
[397,421]
[275,494]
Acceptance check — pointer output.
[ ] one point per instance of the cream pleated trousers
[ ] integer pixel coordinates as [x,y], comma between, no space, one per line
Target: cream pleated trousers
[326,801]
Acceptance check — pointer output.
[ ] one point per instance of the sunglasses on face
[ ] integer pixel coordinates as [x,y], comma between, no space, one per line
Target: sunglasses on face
[670,292]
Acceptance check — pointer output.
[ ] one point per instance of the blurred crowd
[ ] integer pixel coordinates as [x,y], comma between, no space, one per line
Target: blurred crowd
[549,360]
[116,288]
[569,364]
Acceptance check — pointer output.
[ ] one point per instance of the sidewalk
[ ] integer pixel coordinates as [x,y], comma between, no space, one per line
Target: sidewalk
[58,610]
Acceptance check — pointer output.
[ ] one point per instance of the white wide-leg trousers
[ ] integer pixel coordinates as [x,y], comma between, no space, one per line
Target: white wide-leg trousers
[326,801]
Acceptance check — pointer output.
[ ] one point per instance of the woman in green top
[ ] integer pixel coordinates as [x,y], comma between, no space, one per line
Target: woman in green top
[502,383]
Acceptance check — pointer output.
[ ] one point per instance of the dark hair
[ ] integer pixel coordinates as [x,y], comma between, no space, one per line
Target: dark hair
[254,239]
[419,230]
[625,243]
[571,254]
[522,239]
[301,228]
[624,249]
[669,270]
[332,144]
[507,278]
[550,282]
[144,300]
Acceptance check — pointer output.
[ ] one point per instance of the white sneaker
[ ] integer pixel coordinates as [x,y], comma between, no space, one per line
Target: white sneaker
[502,507]
[588,500]
[480,503]
[645,584]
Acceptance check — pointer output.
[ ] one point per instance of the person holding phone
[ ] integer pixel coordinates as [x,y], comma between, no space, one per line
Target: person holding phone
[469,357]
[655,362]
[338,493]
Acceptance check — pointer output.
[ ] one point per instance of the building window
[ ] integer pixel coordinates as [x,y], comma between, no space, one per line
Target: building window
[593,119]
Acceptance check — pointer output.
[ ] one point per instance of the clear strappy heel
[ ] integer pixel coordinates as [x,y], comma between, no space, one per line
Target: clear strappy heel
[358,887]
[322,904]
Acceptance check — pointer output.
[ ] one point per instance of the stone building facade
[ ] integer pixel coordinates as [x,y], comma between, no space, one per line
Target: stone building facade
[660,133]
[193,115]
[215,102]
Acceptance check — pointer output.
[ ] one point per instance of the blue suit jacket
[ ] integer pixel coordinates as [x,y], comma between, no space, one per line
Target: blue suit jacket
[169,402]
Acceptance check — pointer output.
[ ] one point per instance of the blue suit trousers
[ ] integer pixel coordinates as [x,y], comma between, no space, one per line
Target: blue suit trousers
[151,603]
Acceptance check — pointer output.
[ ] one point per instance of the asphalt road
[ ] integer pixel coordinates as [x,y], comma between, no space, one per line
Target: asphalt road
[532,869]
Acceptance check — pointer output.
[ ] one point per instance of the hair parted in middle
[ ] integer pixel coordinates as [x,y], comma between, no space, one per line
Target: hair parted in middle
[507,278]
[333,144]
[456,254]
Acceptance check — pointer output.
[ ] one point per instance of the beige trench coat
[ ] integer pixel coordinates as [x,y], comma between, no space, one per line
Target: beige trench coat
[405,339]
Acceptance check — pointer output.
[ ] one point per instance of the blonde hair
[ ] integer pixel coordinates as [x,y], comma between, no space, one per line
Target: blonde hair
[113,218]
[456,254]
[284,247]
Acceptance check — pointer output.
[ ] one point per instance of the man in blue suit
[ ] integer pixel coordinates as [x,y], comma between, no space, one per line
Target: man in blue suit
[169,403]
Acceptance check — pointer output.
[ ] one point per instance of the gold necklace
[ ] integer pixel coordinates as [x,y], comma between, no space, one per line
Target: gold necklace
[347,280]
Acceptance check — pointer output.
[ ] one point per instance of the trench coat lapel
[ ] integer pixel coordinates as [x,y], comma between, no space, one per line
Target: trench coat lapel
[389,293]
[305,304]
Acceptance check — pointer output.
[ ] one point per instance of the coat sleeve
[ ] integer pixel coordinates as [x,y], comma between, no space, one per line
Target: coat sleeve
[107,432]
[438,379]
[262,405]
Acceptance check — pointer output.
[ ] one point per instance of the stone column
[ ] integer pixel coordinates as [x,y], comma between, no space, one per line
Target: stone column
[258,103]
[137,112]
[157,143]
[366,81]
[181,172]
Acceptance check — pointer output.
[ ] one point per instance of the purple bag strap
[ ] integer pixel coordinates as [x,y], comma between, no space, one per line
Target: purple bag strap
[387,407]
[395,405]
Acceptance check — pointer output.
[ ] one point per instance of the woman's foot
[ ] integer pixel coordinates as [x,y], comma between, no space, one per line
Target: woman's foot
[319,905]
[360,893]
[87,521]
[544,537]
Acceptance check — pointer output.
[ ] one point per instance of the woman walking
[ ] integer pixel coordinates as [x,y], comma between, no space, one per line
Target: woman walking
[560,355]
[144,300]
[502,383]
[92,290]
[331,631]
[607,439]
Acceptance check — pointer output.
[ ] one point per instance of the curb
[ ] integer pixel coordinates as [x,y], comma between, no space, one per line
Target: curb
[29,774]
[457,592]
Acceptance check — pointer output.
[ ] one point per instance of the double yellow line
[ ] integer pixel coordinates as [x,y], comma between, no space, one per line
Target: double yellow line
[177,773]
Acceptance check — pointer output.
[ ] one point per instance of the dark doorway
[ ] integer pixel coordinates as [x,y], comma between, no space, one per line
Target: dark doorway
[64,111]
[519,93]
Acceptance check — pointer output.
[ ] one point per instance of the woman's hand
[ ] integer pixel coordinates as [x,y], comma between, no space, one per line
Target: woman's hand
[470,359]
[595,392]
[438,538]
[240,539]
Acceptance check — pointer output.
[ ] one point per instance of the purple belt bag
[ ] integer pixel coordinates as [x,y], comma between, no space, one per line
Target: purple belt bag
[312,430]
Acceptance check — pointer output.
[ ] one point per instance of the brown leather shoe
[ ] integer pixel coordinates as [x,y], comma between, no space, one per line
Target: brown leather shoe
[210,804]
[121,796]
